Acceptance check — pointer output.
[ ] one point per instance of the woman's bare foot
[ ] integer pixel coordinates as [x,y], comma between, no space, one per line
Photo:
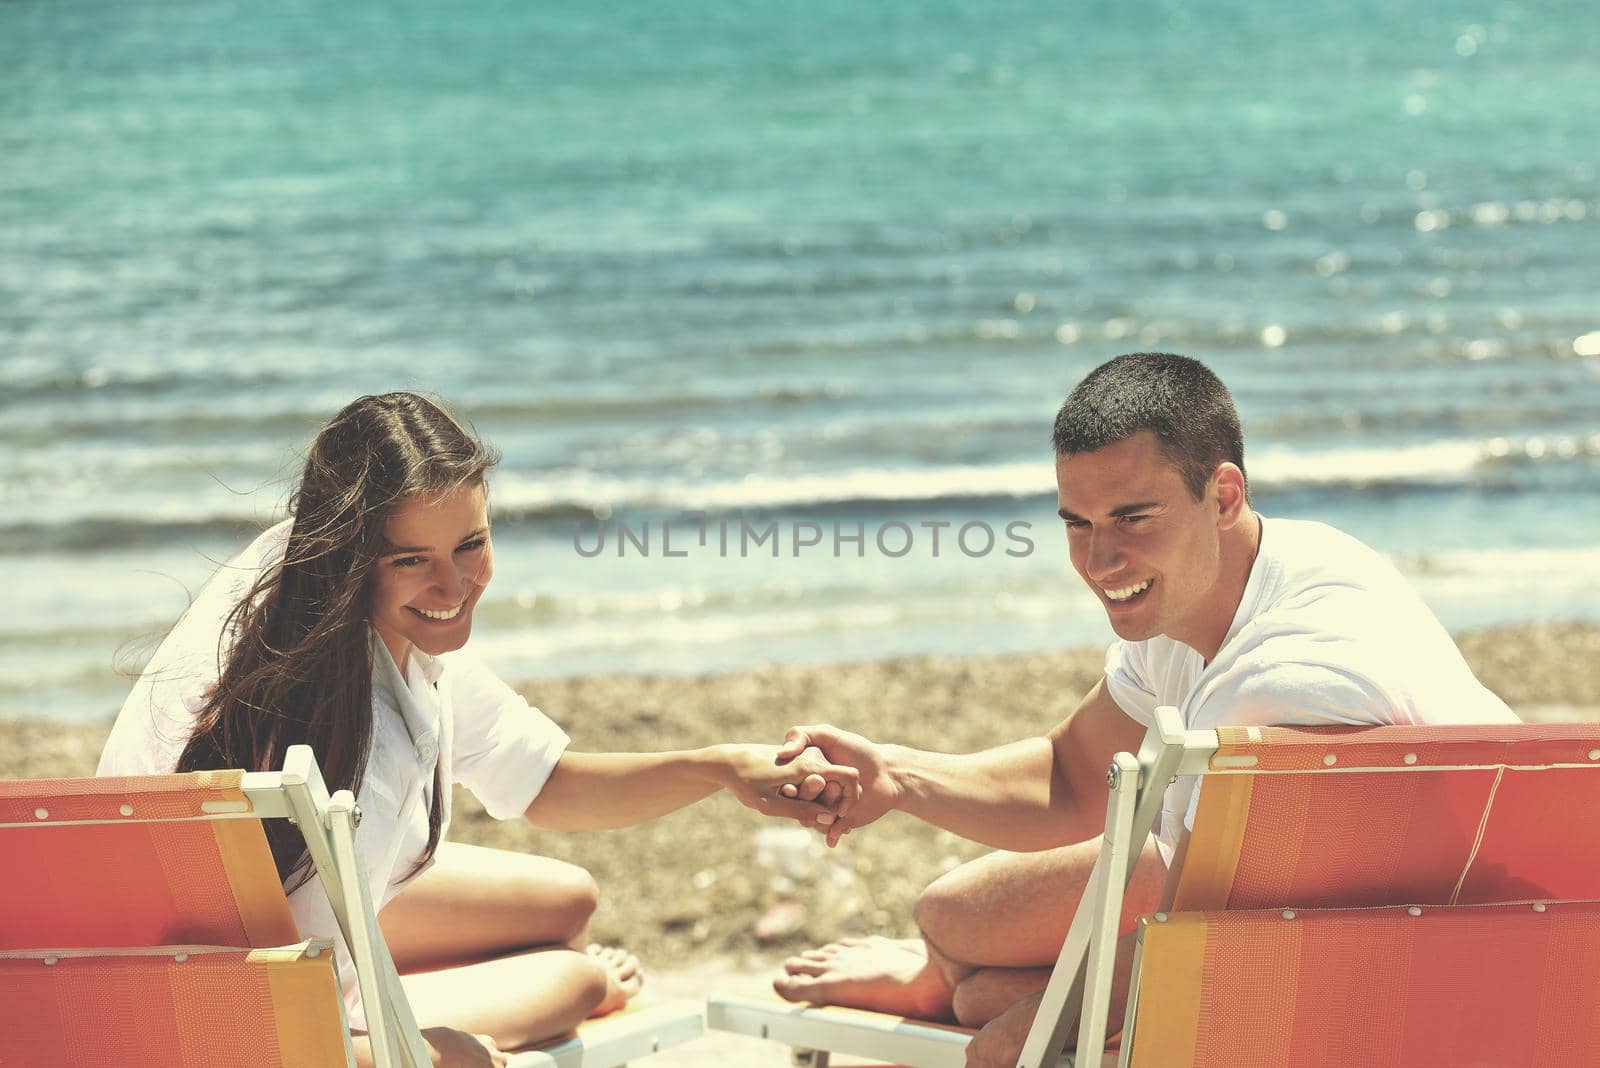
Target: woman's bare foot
[624,977]
[882,974]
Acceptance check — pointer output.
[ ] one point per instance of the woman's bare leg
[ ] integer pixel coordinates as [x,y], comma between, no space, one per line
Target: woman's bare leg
[494,942]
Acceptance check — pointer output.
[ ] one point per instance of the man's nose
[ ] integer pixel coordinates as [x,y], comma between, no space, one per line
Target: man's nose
[1105,557]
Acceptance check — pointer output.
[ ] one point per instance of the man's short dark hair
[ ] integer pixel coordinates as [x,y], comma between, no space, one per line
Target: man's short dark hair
[1186,406]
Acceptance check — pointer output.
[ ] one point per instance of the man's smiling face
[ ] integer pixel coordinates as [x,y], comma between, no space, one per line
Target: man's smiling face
[1144,545]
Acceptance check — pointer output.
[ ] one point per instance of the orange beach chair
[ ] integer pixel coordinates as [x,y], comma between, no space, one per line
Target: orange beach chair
[1372,896]
[142,923]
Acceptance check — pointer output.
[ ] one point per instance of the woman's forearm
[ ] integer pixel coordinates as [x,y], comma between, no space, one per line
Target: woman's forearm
[596,791]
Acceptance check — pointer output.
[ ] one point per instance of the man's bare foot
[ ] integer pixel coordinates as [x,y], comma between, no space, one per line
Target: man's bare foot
[882,974]
[624,977]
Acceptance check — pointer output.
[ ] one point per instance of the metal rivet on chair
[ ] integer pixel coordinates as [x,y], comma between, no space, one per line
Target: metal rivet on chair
[51,960]
[1411,758]
[1594,754]
[1413,910]
[313,952]
[1330,760]
[180,957]
[1161,917]
[126,810]
[1538,906]
[355,816]
[41,813]
[1288,914]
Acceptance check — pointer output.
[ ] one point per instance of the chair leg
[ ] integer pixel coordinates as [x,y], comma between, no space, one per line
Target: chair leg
[809,1058]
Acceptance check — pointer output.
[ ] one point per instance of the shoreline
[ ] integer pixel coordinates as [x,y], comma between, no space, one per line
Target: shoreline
[688,889]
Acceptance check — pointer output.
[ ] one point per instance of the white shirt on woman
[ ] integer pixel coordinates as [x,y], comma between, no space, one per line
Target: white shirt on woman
[1327,632]
[449,713]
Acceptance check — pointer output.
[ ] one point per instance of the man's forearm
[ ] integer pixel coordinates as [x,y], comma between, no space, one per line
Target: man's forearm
[1011,797]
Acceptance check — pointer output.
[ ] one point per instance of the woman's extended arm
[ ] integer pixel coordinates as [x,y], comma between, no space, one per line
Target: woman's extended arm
[595,791]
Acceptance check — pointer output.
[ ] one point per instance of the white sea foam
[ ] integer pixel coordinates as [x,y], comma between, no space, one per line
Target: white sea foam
[1438,461]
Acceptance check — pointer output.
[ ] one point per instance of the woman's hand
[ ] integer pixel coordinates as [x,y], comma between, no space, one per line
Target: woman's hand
[818,793]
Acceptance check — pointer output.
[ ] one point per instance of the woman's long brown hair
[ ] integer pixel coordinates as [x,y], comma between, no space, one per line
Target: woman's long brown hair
[296,654]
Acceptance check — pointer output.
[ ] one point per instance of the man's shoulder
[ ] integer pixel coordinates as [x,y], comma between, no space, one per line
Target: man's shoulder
[1377,675]
[1308,551]
[1272,687]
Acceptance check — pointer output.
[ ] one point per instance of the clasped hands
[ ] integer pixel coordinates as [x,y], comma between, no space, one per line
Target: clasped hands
[844,777]
[821,777]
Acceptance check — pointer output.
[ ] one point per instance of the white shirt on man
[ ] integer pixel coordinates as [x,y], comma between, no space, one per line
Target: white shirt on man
[448,713]
[1327,632]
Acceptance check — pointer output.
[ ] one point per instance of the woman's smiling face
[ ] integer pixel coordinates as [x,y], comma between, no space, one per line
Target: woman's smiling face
[432,572]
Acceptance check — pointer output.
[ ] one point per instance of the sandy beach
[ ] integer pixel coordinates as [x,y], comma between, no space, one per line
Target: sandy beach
[686,891]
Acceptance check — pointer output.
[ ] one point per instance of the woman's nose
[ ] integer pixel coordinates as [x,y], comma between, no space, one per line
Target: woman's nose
[450,579]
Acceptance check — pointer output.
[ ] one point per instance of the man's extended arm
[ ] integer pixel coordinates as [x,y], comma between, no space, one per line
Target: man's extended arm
[1033,794]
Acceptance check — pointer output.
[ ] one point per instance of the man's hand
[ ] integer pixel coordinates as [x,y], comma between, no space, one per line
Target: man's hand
[447,1048]
[999,1042]
[878,790]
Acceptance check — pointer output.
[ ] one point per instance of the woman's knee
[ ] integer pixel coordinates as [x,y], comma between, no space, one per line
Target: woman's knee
[569,893]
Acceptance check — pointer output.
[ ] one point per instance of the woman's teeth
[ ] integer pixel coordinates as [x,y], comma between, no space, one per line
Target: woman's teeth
[448,614]
[1128,591]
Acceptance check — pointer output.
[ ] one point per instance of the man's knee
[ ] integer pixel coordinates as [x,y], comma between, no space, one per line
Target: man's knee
[989,992]
[942,909]
[971,1003]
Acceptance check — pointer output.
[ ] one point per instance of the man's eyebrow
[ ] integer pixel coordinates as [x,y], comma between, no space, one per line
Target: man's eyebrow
[1117,512]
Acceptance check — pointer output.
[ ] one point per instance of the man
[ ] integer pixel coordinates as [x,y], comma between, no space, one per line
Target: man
[1231,618]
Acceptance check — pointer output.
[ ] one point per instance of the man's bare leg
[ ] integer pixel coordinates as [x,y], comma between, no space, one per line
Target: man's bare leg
[884,974]
[1001,913]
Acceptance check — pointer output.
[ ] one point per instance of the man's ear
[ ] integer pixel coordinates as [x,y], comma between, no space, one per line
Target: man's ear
[1228,482]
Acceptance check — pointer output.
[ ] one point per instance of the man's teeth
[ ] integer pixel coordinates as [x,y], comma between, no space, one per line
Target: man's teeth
[450,614]
[1128,591]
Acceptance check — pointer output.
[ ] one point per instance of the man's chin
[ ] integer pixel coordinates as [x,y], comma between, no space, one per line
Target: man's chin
[1130,630]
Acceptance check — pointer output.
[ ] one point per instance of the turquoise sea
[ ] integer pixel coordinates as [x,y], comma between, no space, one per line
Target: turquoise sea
[716,266]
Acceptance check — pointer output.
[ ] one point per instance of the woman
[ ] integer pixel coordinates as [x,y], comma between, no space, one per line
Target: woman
[328,630]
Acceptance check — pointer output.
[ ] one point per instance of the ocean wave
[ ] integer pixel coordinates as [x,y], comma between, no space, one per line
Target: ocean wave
[1444,462]
[576,495]
[600,496]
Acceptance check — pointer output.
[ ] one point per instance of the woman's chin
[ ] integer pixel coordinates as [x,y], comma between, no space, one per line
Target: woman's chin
[439,644]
